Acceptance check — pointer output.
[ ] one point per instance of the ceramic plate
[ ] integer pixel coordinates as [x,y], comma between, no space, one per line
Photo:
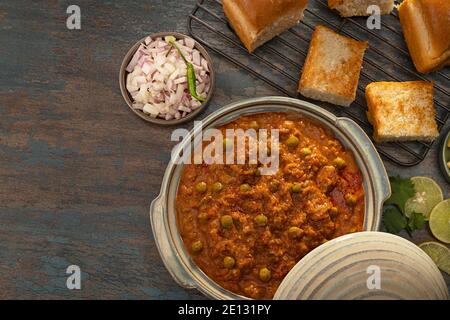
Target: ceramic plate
[364,265]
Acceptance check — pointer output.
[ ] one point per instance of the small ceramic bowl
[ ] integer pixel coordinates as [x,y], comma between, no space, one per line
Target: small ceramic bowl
[128,99]
[444,155]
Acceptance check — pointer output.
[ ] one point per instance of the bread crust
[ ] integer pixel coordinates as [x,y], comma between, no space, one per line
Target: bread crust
[351,8]
[332,4]
[426,27]
[257,21]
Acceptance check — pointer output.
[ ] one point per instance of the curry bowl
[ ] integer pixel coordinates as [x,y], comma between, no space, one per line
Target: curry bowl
[163,209]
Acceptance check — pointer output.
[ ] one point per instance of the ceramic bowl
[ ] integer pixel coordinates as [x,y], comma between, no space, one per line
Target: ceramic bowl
[128,99]
[444,155]
[163,212]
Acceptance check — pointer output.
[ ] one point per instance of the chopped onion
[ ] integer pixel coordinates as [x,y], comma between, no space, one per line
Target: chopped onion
[147,68]
[180,80]
[201,88]
[190,43]
[157,80]
[196,58]
[204,64]
[134,61]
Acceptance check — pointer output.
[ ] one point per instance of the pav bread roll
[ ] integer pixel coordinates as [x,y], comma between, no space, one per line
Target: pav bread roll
[258,21]
[426,27]
[351,8]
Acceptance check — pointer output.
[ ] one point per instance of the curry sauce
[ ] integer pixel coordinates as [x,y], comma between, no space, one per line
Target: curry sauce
[246,230]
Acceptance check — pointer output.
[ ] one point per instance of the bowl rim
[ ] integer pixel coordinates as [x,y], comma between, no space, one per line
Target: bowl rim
[163,216]
[127,97]
[442,155]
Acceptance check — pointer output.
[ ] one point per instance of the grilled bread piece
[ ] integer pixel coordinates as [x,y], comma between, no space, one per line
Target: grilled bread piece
[351,8]
[426,27]
[401,111]
[332,67]
[258,21]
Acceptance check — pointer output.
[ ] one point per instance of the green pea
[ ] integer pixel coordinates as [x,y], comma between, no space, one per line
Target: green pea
[229,262]
[226,221]
[306,151]
[350,199]
[292,141]
[245,187]
[339,162]
[197,246]
[254,125]
[201,187]
[217,186]
[265,274]
[296,187]
[274,185]
[261,220]
[294,232]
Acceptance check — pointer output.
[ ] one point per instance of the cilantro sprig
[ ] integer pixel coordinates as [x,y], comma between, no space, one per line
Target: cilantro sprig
[402,190]
[394,218]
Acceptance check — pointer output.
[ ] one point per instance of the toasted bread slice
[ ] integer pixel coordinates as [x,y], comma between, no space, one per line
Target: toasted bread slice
[332,67]
[402,111]
[351,8]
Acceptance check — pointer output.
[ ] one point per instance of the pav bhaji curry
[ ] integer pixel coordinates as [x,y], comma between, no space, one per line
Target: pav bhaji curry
[246,230]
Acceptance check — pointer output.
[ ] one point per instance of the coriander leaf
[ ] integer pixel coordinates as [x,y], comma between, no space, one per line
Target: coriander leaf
[402,190]
[416,221]
[394,220]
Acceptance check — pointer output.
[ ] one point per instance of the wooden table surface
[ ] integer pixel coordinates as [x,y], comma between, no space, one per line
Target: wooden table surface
[77,169]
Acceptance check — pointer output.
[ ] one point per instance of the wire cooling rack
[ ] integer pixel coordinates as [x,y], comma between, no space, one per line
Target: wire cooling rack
[279,62]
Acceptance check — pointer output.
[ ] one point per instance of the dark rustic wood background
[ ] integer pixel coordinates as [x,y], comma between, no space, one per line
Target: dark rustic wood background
[77,169]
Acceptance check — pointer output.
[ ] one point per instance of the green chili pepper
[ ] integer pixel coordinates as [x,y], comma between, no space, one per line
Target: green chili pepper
[190,70]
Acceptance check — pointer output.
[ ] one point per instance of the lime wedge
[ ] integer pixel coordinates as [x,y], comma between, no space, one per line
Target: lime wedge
[439,253]
[440,221]
[428,195]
